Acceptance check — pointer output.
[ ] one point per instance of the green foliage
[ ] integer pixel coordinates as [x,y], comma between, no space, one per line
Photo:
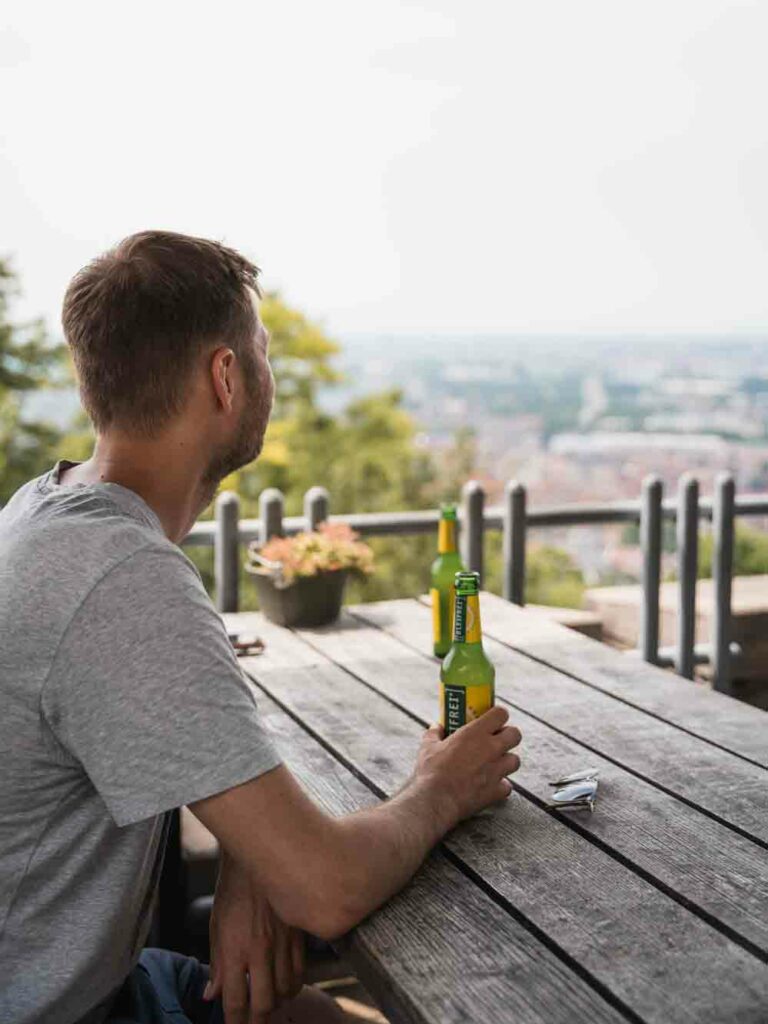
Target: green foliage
[300,355]
[77,443]
[457,466]
[365,456]
[552,576]
[750,553]
[631,535]
[27,361]
[402,569]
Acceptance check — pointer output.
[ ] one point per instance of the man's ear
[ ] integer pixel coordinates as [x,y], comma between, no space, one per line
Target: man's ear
[222,368]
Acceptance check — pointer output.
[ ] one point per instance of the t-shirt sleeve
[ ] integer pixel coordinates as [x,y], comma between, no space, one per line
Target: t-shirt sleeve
[147,694]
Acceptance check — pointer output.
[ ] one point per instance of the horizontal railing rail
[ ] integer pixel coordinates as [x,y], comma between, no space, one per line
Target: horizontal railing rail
[227,532]
[388,524]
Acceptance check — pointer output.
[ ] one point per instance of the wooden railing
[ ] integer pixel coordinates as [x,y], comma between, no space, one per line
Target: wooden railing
[227,532]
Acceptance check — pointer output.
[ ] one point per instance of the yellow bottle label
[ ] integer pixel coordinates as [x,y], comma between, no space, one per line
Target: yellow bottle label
[435,595]
[462,704]
[438,611]
[446,536]
[466,628]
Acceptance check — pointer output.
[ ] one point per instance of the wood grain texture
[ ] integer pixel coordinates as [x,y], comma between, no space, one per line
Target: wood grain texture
[720,872]
[741,728]
[648,950]
[441,951]
[712,779]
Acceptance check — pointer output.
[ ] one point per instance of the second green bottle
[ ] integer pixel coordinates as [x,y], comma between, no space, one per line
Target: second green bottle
[442,592]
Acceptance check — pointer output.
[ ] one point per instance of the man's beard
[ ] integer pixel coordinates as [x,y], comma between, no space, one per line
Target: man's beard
[247,443]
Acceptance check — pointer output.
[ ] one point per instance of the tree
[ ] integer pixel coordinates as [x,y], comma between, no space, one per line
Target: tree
[366,455]
[301,356]
[750,553]
[457,465]
[551,575]
[27,362]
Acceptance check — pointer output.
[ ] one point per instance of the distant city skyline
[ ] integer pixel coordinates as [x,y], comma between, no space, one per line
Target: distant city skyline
[442,168]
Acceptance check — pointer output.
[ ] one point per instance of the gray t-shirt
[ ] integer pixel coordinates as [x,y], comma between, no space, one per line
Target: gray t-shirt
[120,699]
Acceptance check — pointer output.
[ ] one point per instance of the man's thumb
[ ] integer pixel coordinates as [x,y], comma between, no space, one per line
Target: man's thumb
[212,989]
[434,733]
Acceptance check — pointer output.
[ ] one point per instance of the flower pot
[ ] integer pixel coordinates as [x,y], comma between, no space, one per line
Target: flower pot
[308,601]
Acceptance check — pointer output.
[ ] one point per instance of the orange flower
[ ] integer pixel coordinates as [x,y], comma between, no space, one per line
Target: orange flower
[330,548]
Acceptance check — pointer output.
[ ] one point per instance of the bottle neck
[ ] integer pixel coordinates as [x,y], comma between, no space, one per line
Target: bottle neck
[466,621]
[446,537]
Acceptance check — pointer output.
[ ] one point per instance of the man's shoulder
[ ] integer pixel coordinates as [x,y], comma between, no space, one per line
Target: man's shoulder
[83,525]
[58,545]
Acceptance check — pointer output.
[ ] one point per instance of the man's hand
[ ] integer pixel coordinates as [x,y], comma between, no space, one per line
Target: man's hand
[468,770]
[257,961]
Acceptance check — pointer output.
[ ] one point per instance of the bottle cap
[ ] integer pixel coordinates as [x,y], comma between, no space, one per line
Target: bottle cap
[467,582]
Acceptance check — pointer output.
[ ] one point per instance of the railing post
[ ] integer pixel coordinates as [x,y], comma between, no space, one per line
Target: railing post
[226,552]
[271,513]
[687,568]
[316,504]
[473,506]
[650,543]
[513,542]
[722,578]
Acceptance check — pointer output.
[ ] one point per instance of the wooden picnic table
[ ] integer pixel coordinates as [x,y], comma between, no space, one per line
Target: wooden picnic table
[654,908]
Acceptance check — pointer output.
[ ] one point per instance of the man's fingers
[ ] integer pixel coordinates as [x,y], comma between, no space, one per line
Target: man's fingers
[282,962]
[213,988]
[507,738]
[262,992]
[234,995]
[508,764]
[502,789]
[493,719]
[297,959]
[434,733]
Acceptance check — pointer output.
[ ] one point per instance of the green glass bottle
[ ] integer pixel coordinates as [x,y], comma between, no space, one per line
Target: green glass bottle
[444,569]
[467,677]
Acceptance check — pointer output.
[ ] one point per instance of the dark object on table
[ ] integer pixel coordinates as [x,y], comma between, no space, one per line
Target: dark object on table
[246,647]
[308,601]
[249,648]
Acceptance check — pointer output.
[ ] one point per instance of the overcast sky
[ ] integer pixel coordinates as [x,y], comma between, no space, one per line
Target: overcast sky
[517,165]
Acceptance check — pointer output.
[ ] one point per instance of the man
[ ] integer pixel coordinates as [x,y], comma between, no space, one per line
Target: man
[122,698]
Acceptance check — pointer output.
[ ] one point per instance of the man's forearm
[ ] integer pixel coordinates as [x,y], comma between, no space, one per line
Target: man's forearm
[380,849]
[358,861]
[324,874]
[232,875]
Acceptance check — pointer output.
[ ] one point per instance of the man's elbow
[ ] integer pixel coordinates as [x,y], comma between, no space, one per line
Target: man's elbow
[328,917]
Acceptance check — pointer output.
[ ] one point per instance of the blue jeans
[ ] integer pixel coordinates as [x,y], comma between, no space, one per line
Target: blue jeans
[165,988]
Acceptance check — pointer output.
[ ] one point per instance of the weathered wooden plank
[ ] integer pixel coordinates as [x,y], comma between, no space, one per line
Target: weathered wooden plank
[714,780]
[441,951]
[715,717]
[723,874]
[281,650]
[654,955]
